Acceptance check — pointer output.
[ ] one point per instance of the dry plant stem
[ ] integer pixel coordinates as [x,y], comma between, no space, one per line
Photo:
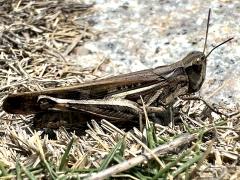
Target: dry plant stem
[207,104]
[73,44]
[144,146]
[159,151]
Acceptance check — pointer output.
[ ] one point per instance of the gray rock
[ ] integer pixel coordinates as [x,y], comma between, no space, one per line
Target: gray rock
[143,34]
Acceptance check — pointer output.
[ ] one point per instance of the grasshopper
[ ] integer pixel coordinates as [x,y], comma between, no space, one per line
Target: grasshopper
[117,98]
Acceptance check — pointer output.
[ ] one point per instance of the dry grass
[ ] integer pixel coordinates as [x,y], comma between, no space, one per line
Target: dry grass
[37,43]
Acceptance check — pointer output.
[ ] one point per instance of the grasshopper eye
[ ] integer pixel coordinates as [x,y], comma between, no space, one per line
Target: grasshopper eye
[202,58]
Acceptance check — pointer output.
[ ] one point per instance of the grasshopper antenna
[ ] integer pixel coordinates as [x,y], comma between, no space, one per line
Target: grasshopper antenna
[218,46]
[206,36]
[205,43]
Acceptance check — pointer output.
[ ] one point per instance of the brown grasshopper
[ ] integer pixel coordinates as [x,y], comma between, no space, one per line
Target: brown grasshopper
[116,99]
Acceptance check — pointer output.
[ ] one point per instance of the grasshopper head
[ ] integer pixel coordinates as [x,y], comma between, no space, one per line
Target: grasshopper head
[195,67]
[195,63]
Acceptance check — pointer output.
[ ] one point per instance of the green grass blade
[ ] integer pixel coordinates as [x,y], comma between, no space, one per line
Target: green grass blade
[122,148]
[64,159]
[18,170]
[111,154]
[171,164]
[27,172]
[186,165]
[2,168]
[49,169]
[150,137]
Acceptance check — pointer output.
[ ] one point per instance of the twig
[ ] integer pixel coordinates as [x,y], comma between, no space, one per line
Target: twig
[159,151]
[73,44]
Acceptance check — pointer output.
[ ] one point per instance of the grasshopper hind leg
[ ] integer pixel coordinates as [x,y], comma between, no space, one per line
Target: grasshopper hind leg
[72,121]
[53,120]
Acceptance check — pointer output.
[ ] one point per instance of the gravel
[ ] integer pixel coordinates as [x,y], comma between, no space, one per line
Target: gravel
[142,34]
